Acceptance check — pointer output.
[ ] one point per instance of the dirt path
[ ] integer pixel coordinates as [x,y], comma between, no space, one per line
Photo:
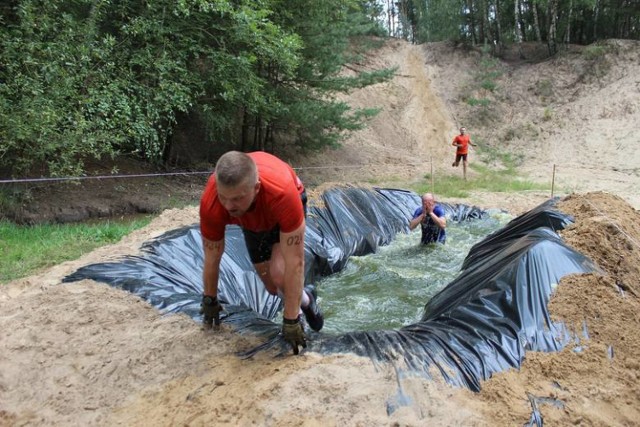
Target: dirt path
[399,144]
[87,354]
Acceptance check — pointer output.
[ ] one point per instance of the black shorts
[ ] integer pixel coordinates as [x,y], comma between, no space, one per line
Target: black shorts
[259,244]
[460,156]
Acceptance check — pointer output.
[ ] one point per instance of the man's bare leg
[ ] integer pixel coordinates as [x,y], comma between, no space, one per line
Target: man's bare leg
[272,274]
[262,269]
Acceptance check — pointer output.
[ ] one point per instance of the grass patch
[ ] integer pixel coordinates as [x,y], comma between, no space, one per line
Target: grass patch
[488,84]
[492,155]
[503,180]
[488,72]
[25,250]
[483,102]
[543,88]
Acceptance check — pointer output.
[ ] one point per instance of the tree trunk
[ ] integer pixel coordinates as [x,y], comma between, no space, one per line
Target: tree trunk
[579,36]
[269,139]
[472,22]
[261,132]
[567,34]
[596,14]
[617,32]
[517,28]
[536,22]
[244,143]
[627,28]
[389,6]
[520,21]
[256,134]
[484,26]
[481,22]
[498,36]
[553,18]
[392,18]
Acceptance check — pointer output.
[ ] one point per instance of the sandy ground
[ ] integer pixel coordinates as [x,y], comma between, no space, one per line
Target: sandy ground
[87,354]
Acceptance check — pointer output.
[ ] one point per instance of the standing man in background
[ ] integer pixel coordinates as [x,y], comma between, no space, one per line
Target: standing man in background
[462,143]
[263,195]
[432,220]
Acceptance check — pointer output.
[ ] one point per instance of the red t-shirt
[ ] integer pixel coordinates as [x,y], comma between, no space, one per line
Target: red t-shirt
[277,203]
[464,140]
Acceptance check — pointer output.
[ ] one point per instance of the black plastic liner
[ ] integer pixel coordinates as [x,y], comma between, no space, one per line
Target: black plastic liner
[481,323]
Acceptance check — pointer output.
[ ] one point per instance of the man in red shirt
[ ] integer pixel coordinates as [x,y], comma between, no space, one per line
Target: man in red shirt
[263,195]
[462,143]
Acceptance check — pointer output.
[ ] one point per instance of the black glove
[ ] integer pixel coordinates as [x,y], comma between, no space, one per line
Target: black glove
[293,333]
[210,308]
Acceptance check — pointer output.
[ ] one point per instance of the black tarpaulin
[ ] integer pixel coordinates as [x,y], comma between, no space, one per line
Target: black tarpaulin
[543,215]
[481,323]
[349,221]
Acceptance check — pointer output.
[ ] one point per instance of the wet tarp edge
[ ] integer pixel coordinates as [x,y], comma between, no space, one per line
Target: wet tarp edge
[481,323]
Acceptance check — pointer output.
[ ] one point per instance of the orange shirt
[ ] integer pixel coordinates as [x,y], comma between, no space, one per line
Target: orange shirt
[464,140]
[277,203]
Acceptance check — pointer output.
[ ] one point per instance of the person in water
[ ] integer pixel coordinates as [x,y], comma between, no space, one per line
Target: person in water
[430,216]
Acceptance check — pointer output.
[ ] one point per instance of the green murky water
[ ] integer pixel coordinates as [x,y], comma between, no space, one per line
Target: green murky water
[390,288]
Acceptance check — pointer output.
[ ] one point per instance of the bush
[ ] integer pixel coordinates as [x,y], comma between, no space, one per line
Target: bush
[483,102]
[594,51]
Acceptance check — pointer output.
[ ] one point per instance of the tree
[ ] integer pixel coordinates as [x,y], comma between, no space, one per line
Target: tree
[332,33]
[516,7]
[90,78]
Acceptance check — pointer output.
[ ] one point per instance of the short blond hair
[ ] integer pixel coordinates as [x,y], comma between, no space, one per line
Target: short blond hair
[235,168]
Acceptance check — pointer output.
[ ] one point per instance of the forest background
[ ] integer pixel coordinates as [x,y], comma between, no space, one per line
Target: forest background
[177,83]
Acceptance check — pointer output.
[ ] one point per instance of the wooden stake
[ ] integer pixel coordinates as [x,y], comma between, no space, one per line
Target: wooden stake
[553,179]
[432,188]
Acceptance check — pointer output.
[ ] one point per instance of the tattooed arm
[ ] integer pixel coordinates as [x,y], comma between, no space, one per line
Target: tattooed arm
[212,255]
[292,245]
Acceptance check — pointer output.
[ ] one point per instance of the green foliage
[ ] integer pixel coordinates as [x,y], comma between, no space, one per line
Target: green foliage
[483,102]
[493,22]
[440,20]
[594,51]
[506,160]
[488,72]
[25,250]
[76,91]
[325,121]
[597,57]
[488,84]
[11,198]
[484,81]
[91,79]
[333,33]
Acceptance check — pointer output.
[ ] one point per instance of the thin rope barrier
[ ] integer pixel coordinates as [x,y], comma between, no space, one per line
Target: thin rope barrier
[80,178]
[151,175]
